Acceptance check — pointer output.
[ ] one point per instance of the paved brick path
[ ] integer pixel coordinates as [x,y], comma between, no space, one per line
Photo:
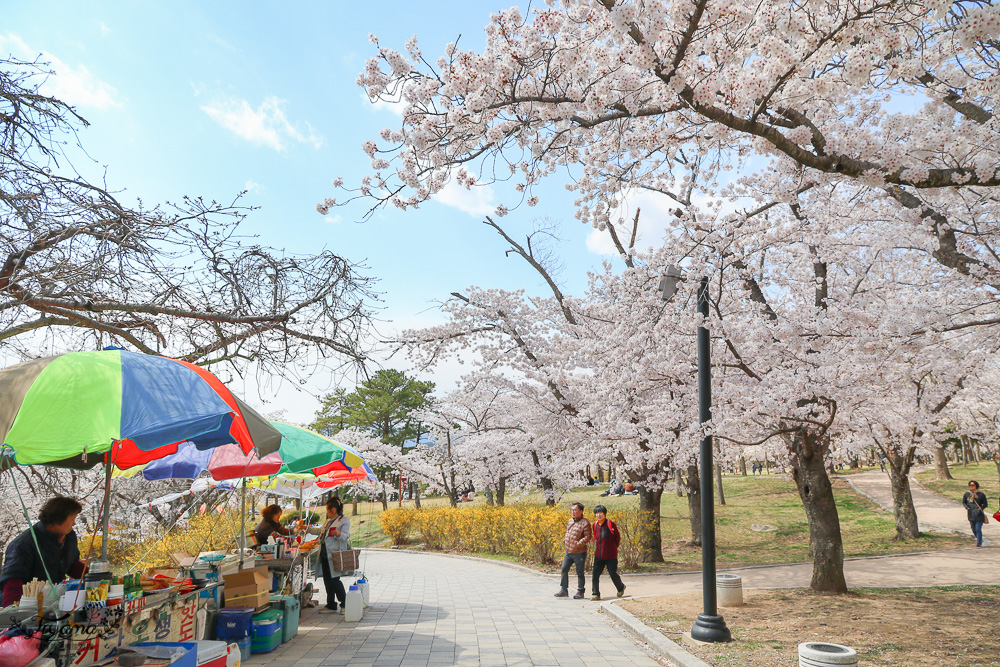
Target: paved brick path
[428,609]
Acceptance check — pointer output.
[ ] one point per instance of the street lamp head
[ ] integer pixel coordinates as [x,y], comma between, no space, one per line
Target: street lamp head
[669,282]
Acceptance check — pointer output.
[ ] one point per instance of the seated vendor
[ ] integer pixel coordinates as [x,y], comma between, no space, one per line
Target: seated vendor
[269,524]
[53,549]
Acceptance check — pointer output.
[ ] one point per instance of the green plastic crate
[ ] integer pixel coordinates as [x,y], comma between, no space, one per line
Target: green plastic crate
[291,607]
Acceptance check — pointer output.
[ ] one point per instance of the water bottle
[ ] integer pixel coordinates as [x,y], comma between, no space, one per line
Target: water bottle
[363,587]
[352,605]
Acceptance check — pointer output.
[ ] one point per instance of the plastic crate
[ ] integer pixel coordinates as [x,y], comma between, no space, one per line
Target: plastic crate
[190,659]
[234,623]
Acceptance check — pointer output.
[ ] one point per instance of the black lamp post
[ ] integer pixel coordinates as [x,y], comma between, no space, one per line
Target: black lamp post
[710,626]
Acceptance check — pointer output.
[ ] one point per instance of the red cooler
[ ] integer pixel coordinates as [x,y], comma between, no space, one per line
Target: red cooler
[212,654]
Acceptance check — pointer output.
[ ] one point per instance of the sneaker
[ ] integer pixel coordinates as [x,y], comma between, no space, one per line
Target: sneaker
[579,595]
[328,610]
[595,597]
[621,593]
[563,593]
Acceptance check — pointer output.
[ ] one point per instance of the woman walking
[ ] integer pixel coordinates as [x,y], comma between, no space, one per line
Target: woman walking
[975,502]
[335,536]
[606,541]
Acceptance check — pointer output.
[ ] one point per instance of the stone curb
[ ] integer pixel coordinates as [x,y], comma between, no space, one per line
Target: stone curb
[653,639]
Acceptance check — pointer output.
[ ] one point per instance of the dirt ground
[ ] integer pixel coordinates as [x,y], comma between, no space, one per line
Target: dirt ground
[955,626]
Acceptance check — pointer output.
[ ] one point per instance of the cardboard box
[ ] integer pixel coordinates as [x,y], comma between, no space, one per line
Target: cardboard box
[182,559]
[248,588]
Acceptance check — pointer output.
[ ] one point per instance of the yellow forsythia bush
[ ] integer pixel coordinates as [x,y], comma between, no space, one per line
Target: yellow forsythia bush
[208,532]
[527,532]
[396,523]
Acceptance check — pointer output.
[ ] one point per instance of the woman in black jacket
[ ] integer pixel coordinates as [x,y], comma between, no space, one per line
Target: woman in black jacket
[975,502]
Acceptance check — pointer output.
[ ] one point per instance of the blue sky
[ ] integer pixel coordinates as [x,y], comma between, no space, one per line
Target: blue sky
[195,98]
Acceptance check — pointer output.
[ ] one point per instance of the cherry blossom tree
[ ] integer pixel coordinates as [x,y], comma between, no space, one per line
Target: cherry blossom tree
[856,142]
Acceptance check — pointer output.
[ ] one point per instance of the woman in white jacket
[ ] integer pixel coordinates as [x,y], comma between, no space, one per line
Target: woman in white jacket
[335,536]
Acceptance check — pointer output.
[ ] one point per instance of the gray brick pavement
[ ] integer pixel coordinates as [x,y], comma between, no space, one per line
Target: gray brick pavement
[429,610]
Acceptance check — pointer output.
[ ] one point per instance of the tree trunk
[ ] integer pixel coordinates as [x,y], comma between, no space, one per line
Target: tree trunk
[652,542]
[502,490]
[965,452]
[678,482]
[808,450]
[694,503]
[941,463]
[354,502]
[905,514]
[489,495]
[767,464]
[743,466]
[718,483]
[415,494]
[547,487]
[855,463]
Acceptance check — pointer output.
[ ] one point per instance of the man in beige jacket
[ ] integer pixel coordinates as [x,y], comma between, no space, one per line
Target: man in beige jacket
[578,536]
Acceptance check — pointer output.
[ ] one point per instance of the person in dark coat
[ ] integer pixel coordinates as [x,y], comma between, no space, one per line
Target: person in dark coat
[269,524]
[47,551]
[974,501]
[607,537]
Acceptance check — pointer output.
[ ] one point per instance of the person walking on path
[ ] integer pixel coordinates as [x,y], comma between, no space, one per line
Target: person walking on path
[578,536]
[606,540]
[974,501]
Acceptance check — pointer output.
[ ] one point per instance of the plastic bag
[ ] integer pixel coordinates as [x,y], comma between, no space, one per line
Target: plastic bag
[20,650]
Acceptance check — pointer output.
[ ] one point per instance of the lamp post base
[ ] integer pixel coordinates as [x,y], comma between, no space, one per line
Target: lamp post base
[711,629]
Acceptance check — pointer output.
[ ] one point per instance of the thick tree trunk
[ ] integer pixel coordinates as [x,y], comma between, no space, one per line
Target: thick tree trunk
[354,502]
[808,451]
[415,494]
[743,466]
[501,491]
[652,543]
[767,464]
[905,514]
[385,501]
[679,482]
[694,503]
[965,453]
[941,464]
[489,495]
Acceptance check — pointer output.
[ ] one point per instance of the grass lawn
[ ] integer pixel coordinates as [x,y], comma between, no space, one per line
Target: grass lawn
[916,627]
[770,500]
[984,472]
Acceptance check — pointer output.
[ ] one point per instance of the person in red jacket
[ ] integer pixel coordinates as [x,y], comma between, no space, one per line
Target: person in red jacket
[607,537]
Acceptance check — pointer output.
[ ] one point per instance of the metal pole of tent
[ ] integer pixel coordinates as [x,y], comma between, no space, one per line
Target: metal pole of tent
[243,518]
[106,519]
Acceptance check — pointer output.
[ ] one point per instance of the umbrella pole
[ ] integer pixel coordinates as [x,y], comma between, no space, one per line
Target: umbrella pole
[243,517]
[106,519]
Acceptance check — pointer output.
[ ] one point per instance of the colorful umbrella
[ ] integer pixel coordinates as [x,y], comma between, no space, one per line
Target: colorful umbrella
[301,451]
[58,409]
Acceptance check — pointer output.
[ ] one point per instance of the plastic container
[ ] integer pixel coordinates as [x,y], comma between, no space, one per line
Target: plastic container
[209,652]
[291,608]
[352,605]
[234,623]
[364,588]
[245,651]
[233,656]
[267,631]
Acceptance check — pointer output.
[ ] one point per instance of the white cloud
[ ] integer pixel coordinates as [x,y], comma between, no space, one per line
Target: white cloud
[252,186]
[394,107]
[655,210]
[333,219]
[105,30]
[266,125]
[77,86]
[477,202]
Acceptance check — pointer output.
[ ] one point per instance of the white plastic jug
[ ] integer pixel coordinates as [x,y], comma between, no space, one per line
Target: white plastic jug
[352,605]
[363,586]
[233,657]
